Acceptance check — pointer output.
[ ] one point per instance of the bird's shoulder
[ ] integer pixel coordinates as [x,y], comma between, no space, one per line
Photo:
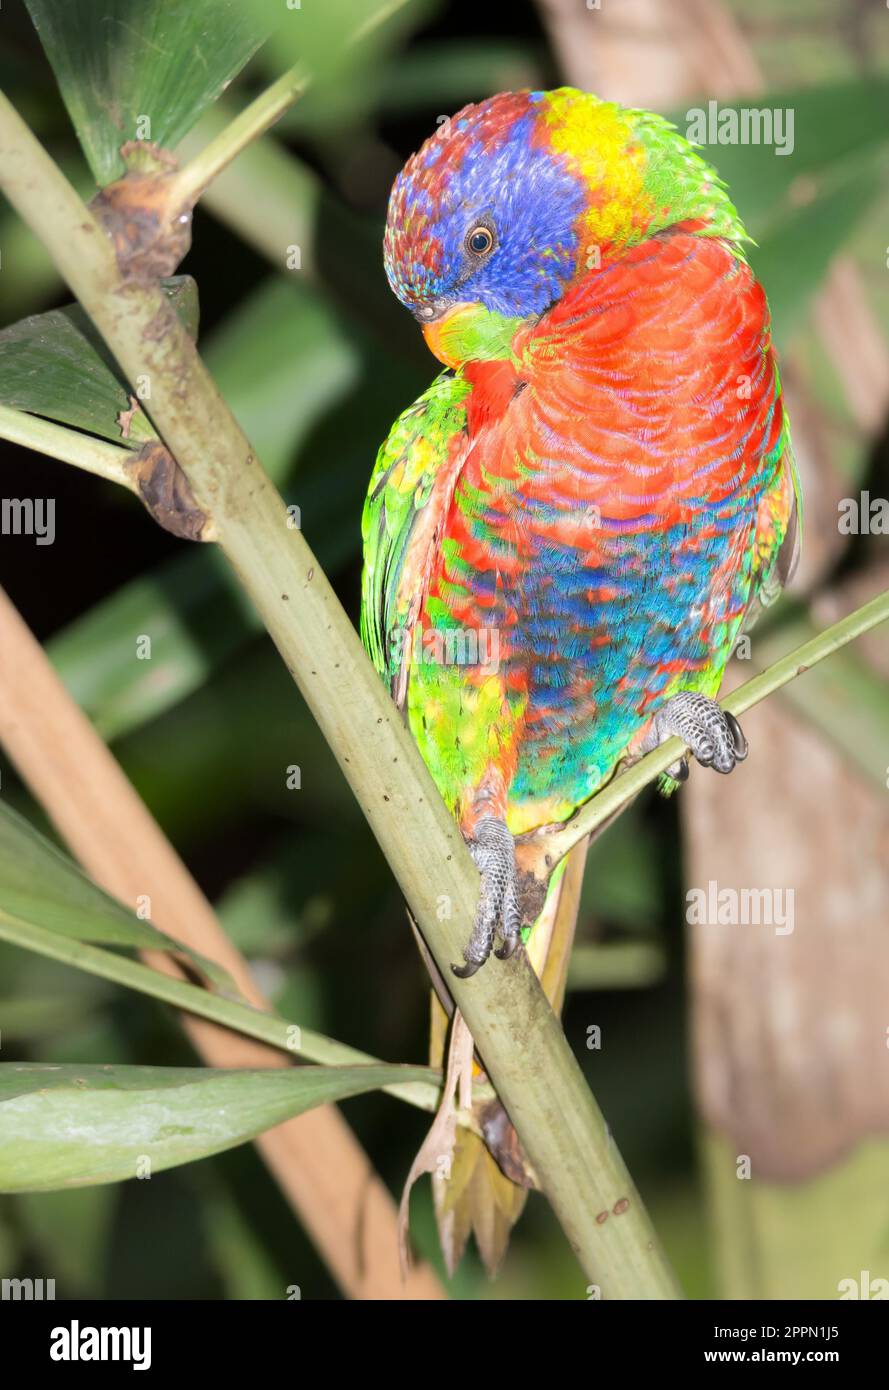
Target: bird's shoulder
[655,376]
[409,488]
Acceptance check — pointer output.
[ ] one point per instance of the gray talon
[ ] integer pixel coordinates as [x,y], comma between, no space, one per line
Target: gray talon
[509,947]
[713,736]
[493,850]
[741,745]
[466,971]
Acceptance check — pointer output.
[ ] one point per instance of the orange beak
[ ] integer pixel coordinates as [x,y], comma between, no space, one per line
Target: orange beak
[443,336]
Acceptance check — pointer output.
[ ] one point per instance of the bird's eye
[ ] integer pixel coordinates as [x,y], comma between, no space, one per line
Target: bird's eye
[480,240]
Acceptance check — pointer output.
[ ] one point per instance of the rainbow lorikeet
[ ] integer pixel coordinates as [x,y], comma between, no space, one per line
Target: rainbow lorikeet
[564,536]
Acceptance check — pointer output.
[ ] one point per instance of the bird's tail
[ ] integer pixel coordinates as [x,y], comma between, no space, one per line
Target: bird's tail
[483,1187]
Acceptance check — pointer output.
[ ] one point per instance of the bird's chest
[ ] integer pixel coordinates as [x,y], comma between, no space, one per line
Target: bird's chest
[644,406]
[616,462]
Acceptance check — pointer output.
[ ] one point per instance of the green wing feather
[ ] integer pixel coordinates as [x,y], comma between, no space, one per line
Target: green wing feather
[778,534]
[411,482]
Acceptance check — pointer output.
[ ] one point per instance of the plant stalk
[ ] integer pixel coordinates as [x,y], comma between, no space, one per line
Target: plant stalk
[628,784]
[216,1008]
[262,113]
[70,446]
[189,183]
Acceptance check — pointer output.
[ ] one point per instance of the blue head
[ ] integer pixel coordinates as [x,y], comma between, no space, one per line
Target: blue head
[485,213]
[516,198]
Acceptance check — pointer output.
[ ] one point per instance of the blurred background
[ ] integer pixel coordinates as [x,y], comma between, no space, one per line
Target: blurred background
[717,1042]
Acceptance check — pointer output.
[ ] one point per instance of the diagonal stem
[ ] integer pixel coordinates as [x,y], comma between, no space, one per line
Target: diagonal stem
[628,784]
[181,994]
[262,113]
[70,446]
[188,185]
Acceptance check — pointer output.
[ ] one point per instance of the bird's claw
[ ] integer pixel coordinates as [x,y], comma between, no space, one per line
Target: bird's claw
[509,947]
[493,850]
[713,735]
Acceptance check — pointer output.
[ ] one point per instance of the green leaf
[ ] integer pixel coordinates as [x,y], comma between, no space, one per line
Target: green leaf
[71,1231]
[56,365]
[439,76]
[73,1126]
[96,962]
[182,292]
[623,883]
[793,257]
[832,123]
[241,1257]
[619,965]
[802,206]
[342,43]
[197,618]
[120,63]
[283,360]
[193,748]
[446,75]
[41,886]
[41,1015]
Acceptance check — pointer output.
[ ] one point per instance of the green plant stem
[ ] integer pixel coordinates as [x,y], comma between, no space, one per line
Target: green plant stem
[229,1013]
[70,446]
[844,698]
[188,185]
[628,784]
[195,176]
[521,1042]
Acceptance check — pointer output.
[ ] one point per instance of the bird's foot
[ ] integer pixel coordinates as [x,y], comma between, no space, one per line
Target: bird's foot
[712,734]
[493,850]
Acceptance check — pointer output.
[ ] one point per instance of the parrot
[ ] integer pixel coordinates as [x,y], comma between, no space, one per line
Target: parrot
[566,534]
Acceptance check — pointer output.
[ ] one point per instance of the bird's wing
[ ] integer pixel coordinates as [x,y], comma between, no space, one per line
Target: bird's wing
[778,535]
[410,490]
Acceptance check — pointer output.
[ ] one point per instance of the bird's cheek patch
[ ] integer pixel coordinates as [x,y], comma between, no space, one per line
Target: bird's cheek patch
[445,337]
